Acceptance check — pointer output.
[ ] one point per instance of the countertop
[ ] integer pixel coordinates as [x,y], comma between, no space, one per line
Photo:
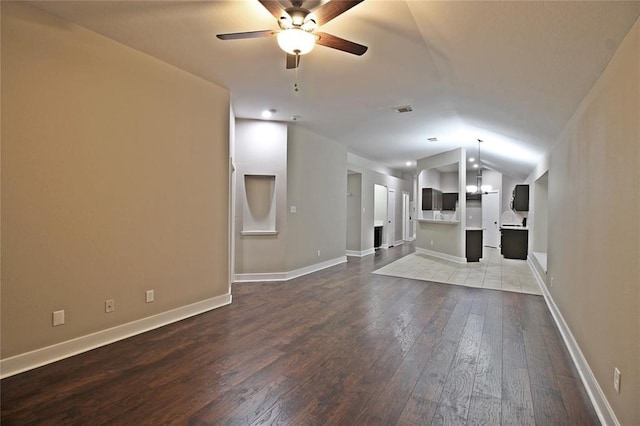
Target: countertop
[439,221]
[514,227]
[471,228]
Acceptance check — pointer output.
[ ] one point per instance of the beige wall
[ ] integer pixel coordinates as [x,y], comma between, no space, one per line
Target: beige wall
[594,232]
[354,211]
[261,149]
[317,186]
[114,181]
[311,174]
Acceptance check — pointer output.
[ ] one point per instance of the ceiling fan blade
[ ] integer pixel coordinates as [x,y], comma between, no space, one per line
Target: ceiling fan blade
[249,34]
[273,7]
[293,61]
[334,42]
[330,10]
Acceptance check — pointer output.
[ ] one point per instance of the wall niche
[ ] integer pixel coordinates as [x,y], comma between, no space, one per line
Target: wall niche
[259,207]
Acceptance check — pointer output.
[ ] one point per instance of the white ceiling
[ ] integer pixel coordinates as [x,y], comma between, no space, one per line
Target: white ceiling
[510,73]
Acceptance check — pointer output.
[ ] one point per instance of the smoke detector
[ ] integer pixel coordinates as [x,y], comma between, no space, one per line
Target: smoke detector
[403,109]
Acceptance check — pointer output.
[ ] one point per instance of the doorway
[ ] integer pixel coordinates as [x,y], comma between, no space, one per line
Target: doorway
[406,217]
[490,218]
[391,218]
[380,212]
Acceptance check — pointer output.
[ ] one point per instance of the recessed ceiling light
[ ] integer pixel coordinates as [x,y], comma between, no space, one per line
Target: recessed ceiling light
[475,166]
[471,159]
[267,113]
[408,163]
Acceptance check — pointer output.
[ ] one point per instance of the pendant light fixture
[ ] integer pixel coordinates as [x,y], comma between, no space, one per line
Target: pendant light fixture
[479,188]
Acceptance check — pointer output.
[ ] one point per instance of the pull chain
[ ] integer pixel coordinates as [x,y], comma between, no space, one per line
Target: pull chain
[295,84]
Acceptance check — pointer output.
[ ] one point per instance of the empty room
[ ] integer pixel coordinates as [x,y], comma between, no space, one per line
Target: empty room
[320,212]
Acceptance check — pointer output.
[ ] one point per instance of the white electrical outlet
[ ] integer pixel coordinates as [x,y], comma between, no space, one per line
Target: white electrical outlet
[431,242]
[552,278]
[318,253]
[616,379]
[58,318]
[292,209]
[109,305]
[150,296]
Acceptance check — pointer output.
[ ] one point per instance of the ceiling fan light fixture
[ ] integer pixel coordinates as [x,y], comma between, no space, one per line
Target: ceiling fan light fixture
[295,41]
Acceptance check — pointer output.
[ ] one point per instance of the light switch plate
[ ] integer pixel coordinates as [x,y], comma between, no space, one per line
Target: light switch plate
[58,318]
[616,379]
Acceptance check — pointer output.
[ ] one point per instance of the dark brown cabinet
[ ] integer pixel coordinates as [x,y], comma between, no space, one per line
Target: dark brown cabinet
[474,245]
[431,199]
[520,199]
[449,200]
[473,196]
[514,243]
[377,236]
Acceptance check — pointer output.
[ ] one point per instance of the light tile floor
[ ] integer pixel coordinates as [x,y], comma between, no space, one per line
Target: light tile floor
[493,272]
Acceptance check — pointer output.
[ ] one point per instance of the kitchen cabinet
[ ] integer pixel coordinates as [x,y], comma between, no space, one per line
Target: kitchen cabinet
[514,243]
[472,196]
[474,245]
[520,198]
[377,236]
[449,200]
[431,199]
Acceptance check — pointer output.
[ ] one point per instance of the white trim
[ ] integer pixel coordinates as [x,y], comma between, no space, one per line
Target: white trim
[398,243]
[413,238]
[39,357]
[286,276]
[363,253]
[600,403]
[264,276]
[441,255]
[251,233]
[384,246]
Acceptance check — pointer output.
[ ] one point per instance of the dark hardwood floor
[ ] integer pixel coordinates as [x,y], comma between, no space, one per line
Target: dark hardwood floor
[341,346]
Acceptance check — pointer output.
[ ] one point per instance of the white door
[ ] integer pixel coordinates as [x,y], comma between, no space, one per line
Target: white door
[490,218]
[391,218]
[406,225]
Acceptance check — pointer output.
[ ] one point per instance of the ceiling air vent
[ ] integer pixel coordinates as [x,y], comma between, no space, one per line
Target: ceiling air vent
[403,109]
[432,139]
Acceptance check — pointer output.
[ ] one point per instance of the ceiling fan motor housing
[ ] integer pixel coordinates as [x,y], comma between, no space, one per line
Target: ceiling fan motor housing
[297,17]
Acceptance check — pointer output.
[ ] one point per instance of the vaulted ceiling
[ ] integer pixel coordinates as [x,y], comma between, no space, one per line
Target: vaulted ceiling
[509,73]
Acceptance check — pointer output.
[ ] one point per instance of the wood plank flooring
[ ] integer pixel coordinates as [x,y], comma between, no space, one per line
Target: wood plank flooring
[341,346]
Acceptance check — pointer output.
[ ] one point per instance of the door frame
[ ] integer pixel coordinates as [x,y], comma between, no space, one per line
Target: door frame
[495,219]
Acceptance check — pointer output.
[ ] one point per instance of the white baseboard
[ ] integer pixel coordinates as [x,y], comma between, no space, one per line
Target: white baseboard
[398,243]
[596,395]
[39,357]
[384,246]
[441,255]
[355,253]
[286,276]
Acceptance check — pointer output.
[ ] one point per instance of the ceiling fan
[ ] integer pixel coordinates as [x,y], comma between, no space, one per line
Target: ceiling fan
[297,35]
